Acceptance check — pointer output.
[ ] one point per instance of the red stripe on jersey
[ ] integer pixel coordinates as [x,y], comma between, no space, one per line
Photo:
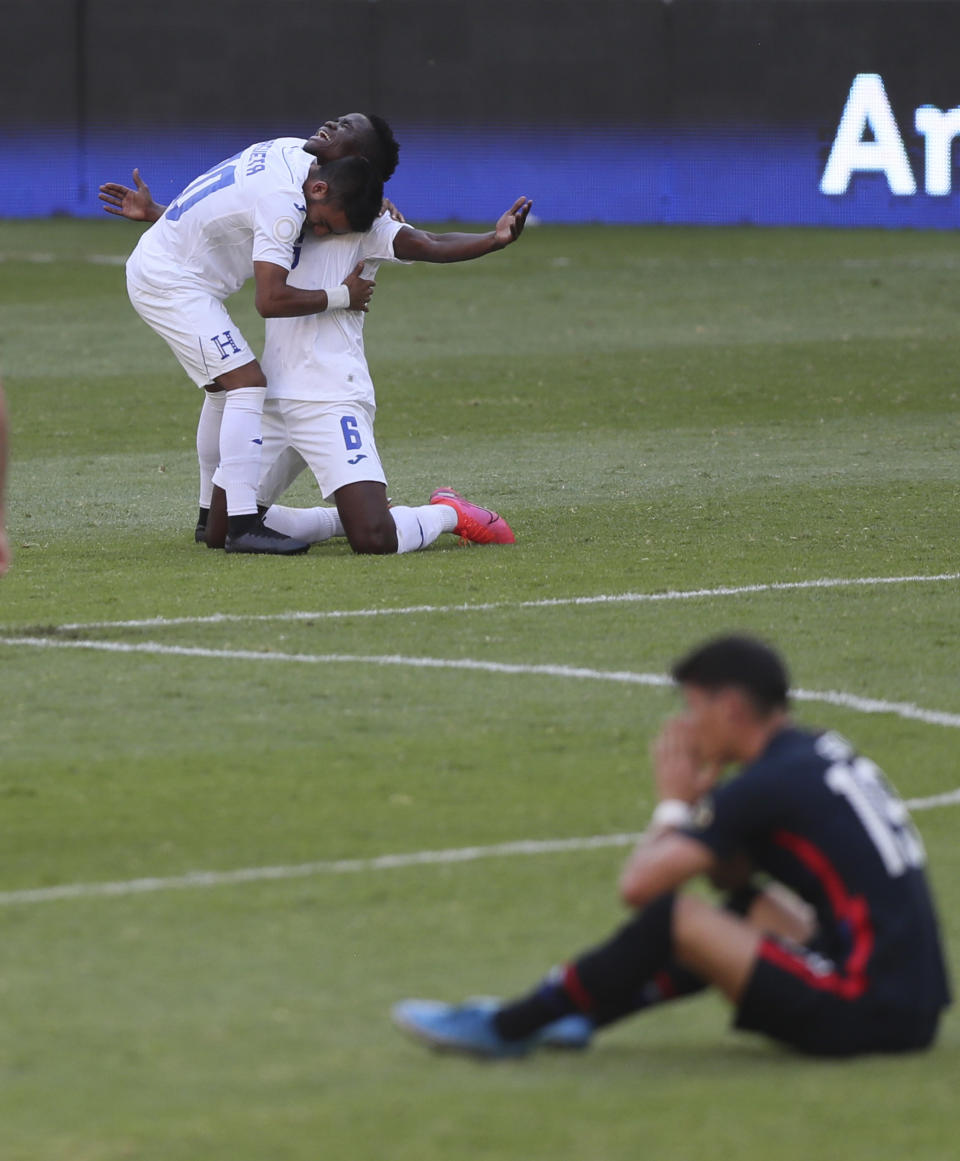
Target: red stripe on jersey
[850,909]
[795,962]
[665,985]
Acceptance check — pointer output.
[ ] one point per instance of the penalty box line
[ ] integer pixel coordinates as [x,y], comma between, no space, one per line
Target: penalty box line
[869,705]
[544,603]
[194,880]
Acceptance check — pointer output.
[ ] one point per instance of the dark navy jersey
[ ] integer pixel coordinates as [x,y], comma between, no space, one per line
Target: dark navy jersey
[823,821]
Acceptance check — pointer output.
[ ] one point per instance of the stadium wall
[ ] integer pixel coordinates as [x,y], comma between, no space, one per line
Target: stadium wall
[772,112]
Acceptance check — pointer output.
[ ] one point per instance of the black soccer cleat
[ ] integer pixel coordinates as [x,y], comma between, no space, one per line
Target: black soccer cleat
[265,541]
[200,532]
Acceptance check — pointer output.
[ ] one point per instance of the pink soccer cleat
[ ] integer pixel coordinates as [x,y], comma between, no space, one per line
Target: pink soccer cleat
[473,522]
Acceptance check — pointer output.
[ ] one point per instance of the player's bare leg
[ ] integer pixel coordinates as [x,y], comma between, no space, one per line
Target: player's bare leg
[777,911]
[216,531]
[366,518]
[718,946]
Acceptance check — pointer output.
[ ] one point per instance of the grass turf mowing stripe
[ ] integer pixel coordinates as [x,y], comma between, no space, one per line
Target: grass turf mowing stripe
[867,705]
[206,879]
[545,603]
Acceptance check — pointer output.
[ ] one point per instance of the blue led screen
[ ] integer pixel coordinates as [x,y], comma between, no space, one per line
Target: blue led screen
[721,112]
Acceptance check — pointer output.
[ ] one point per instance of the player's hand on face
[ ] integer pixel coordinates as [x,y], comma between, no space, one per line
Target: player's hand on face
[361,289]
[676,763]
[509,227]
[389,208]
[134,204]
[678,767]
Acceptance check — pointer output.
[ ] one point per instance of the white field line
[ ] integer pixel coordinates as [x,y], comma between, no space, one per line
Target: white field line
[204,879]
[866,705]
[546,603]
[467,854]
[951,798]
[308,870]
[156,648]
[43,258]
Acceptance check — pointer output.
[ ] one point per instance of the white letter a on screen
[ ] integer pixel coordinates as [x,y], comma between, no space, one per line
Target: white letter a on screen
[867,107]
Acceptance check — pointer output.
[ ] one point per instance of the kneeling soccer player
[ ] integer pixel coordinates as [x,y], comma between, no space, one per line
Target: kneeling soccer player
[839,955]
[320,404]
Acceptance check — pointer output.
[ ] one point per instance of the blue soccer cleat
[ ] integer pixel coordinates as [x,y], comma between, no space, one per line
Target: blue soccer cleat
[466,1028]
[569,1033]
[469,1028]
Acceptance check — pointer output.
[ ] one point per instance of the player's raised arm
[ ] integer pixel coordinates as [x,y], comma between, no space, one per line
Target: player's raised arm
[136,204]
[412,245]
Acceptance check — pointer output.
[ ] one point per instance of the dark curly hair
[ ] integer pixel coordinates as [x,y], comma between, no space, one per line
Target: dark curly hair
[387,152]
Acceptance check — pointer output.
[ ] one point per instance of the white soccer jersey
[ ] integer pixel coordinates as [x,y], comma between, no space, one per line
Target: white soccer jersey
[320,357]
[249,208]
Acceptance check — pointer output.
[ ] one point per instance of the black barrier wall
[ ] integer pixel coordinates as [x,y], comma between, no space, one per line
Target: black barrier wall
[89,77]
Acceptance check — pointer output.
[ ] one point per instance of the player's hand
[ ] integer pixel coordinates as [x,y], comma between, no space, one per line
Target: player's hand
[361,289]
[136,204]
[510,226]
[389,208]
[678,769]
[731,873]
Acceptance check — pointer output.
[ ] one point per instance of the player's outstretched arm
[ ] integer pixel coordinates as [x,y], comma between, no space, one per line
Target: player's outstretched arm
[421,246]
[136,204]
[275,299]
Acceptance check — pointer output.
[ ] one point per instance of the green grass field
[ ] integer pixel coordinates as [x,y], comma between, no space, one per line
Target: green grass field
[656,412]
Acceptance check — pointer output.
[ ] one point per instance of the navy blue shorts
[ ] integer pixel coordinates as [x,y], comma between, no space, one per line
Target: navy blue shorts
[796,996]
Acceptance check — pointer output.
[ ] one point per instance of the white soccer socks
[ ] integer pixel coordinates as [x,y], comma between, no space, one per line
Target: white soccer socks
[240,443]
[208,441]
[418,527]
[309,524]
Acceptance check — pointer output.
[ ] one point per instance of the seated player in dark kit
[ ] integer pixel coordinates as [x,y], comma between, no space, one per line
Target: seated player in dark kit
[836,952]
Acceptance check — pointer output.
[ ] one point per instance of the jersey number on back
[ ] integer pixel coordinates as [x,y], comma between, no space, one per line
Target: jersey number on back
[220,177]
[884,817]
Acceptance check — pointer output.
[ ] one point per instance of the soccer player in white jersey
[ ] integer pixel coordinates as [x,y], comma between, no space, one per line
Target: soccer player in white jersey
[320,405]
[240,219]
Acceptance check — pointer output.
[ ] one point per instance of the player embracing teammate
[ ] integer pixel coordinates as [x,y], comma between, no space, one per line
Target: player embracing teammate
[254,214]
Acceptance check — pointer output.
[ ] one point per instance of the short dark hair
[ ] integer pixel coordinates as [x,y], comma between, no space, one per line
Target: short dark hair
[356,187]
[387,150]
[739,661]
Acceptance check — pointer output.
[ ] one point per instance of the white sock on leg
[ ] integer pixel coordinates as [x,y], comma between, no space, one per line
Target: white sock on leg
[309,524]
[418,527]
[208,441]
[240,436]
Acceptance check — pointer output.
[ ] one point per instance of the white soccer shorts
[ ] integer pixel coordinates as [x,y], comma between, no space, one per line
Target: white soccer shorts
[196,327]
[334,440]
